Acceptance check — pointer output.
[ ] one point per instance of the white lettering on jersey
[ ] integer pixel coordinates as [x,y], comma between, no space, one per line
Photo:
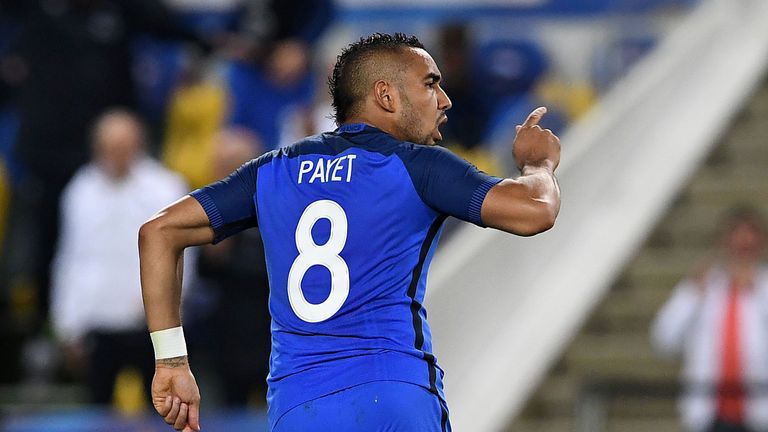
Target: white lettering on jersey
[327,170]
[336,169]
[349,171]
[305,167]
[319,172]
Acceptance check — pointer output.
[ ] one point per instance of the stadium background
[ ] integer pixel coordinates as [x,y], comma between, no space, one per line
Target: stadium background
[603,67]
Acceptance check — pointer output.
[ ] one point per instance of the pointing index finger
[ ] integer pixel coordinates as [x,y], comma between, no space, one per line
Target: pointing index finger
[535,116]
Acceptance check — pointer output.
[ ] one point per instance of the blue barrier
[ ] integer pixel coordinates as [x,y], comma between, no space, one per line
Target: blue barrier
[104,420]
[439,11]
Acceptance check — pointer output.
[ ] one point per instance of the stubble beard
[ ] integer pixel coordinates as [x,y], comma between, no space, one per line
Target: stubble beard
[409,125]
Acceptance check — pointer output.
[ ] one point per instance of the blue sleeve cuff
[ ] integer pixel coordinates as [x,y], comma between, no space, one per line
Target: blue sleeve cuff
[205,200]
[476,203]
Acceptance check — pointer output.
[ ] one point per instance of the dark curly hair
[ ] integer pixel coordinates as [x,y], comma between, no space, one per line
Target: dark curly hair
[352,72]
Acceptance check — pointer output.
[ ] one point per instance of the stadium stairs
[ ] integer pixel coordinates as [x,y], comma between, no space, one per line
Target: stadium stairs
[504,309]
[608,379]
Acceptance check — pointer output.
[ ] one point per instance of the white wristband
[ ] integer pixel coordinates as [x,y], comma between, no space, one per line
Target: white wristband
[169,343]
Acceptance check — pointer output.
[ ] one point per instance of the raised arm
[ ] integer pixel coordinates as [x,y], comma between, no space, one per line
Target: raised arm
[528,204]
[162,241]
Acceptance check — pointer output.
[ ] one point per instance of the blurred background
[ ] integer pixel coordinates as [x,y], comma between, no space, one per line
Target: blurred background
[110,109]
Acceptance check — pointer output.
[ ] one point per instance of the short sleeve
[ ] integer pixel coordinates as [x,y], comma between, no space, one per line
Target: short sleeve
[230,203]
[448,183]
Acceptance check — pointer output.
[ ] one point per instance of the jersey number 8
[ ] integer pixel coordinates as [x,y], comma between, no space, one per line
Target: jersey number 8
[326,255]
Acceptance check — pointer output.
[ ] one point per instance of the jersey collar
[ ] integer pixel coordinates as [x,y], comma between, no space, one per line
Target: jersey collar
[352,128]
[356,128]
[365,135]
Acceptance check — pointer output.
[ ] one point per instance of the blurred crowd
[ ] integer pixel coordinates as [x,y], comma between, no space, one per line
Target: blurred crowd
[111,109]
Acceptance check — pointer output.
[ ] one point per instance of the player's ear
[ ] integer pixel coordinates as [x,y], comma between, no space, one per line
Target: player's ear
[384,94]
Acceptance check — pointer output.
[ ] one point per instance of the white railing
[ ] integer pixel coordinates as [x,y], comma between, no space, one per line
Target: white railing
[502,308]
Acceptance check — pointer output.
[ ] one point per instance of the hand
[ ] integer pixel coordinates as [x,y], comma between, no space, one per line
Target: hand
[175,395]
[534,146]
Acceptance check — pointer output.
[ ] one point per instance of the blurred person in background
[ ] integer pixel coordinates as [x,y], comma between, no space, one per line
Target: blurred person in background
[465,133]
[509,74]
[196,111]
[271,86]
[717,319]
[235,272]
[266,83]
[68,62]
[96,309]
[492,84]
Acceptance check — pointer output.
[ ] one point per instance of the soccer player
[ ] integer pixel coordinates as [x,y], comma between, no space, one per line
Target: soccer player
[350,220]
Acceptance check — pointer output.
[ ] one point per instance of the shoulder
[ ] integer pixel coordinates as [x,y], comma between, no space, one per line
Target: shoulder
[151,175]
[88,173]
[762,278]
[406,148]
[151,167]
[320,144]
[84,180]
[417,156]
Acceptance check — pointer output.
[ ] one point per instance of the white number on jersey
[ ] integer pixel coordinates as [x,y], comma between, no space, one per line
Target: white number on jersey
[326,255]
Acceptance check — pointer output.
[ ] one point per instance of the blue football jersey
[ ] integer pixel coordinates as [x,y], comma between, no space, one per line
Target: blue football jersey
[350,221]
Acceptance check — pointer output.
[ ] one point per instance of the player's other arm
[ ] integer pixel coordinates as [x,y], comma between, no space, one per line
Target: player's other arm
[528,204]
[162,241]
